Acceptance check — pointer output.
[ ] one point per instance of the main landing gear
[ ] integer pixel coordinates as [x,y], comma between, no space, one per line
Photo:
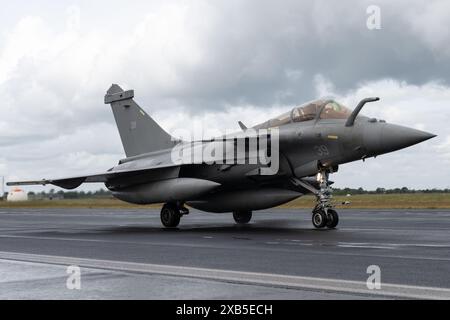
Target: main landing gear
[323,214]
[242,216]
[171,214]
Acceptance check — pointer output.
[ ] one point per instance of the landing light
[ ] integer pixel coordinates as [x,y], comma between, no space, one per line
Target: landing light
[319,177]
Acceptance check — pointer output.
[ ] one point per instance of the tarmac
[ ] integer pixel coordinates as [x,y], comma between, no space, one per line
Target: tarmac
[127,254]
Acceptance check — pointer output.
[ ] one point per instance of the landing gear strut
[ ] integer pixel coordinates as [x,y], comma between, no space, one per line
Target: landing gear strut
[171,214]
[323,214]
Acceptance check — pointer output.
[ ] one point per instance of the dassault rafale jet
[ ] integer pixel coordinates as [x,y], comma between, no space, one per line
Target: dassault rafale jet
[257,168]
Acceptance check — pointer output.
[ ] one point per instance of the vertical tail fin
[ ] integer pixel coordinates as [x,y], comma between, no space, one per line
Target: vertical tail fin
[138,131]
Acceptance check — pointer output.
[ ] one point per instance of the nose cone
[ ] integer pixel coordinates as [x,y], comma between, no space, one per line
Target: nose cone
[394,137]
[384,138]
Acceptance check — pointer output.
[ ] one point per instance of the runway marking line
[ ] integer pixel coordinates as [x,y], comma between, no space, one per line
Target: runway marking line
[364,247]
[254,278]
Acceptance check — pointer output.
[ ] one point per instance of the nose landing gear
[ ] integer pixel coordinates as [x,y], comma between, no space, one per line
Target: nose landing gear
[320,219]
[323,214]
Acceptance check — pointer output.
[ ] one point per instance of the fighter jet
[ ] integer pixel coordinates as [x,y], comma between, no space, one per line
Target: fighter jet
[300,149]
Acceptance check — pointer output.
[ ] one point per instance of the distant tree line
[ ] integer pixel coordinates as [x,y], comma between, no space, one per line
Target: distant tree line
[344,191]
[52,194]
[102,193]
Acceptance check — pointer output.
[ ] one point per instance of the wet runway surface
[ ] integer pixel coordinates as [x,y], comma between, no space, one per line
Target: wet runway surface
[411,247]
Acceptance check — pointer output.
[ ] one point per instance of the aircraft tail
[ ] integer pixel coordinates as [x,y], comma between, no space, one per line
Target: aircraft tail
[138,131]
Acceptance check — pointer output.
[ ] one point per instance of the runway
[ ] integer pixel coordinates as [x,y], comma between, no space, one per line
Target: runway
[127,254]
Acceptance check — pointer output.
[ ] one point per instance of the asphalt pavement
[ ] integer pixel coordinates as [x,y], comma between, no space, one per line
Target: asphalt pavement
[127,254]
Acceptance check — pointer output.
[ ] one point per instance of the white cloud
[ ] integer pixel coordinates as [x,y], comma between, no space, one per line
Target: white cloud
[444,148]
[28,39]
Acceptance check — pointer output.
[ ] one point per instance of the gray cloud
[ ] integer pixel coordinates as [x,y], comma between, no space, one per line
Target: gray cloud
[248,53]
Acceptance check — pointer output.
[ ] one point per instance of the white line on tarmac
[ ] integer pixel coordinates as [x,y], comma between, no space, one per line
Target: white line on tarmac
[264,279]
[378,244]
[364,246]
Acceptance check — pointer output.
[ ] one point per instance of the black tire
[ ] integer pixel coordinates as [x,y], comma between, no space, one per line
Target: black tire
[333,219]
[170,216]
[319,219]
[242,217]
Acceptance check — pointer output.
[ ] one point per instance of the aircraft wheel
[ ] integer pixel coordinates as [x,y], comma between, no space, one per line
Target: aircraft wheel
[170,216]
[319,219]
[332,219]
[242,217]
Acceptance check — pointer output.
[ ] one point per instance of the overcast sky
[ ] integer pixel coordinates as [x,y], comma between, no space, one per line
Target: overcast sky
[212,63]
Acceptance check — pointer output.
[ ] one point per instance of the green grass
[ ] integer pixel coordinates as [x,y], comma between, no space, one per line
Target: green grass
[72,203]
[383,201]
[366,201]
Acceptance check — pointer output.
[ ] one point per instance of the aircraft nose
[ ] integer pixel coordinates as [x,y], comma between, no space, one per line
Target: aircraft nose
[384,138]
[395,137]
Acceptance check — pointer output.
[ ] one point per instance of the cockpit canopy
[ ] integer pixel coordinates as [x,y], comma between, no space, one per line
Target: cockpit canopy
[328,109]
